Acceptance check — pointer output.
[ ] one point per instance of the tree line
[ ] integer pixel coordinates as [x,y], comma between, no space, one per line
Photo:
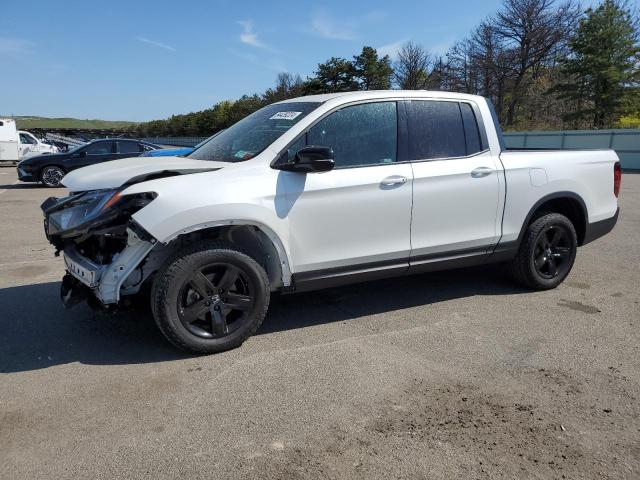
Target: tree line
[545,64]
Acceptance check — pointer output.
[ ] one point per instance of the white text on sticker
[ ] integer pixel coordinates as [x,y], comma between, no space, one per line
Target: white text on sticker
[285,115]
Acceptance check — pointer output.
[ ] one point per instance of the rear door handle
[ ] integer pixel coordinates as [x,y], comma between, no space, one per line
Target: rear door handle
[394,180]
[481,172]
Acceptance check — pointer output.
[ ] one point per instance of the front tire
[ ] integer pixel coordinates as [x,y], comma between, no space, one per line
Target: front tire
[210,298]
[51,176]
[547,252]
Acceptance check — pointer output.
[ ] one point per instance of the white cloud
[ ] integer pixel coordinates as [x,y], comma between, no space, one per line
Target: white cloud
[391,49]
[324,25]
[274,64]
[14,46]
[250,37]
[156,44]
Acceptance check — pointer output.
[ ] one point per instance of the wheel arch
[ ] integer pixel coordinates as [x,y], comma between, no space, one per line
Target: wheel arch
[569,204]
[254,238]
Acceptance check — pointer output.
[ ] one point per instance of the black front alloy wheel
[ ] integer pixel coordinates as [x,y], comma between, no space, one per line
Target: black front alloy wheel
[209,298]
[216,300]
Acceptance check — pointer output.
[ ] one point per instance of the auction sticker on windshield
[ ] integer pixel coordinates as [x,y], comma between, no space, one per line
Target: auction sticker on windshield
[284,115]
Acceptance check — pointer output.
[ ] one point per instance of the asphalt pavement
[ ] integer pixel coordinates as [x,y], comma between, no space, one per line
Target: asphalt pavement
[448,375]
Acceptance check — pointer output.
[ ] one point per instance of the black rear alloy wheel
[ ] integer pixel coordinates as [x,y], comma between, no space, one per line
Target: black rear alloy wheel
[210,298]
[552,252]
[547,252]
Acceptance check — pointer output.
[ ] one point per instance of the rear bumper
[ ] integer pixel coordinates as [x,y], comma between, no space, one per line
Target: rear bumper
[599,229]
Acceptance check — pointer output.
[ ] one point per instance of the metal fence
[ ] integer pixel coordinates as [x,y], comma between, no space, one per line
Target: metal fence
[175,141]
[626,142]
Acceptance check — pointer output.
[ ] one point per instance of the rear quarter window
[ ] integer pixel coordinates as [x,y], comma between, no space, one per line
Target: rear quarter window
[471,131]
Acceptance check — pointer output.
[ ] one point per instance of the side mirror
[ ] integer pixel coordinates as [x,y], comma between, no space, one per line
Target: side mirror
[80,154]
[309,160]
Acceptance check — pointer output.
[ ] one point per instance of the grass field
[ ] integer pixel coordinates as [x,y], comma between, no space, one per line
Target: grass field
[25,123]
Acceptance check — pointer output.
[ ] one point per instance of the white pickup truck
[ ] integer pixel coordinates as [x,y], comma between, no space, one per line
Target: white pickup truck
[16,145]
[319,191]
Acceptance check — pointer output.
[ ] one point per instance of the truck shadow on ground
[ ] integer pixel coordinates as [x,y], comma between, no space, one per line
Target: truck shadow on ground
[36,332]
[27,186]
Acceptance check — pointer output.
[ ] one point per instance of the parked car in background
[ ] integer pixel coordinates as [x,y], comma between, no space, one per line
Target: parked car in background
[169,152]
[320,191]
[16,145]
[49,169]
[177,152]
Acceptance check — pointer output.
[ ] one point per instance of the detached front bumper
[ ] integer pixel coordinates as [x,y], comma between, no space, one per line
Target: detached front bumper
[105,281]
[102,245]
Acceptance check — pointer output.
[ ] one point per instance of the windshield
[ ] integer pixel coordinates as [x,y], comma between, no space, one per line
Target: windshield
[251,135]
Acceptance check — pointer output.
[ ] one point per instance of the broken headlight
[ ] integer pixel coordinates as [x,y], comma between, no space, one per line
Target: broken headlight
[77,212]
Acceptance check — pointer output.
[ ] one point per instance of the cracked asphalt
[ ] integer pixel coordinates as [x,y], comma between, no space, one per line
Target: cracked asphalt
[448,375]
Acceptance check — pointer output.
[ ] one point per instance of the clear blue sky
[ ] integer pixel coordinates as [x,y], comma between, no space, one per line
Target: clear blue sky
[143,60]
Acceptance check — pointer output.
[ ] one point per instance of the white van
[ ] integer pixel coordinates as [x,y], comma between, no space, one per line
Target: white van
[16,145]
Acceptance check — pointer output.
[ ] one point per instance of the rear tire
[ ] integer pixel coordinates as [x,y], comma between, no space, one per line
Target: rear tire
[546,254]
[51,176]
[209,298]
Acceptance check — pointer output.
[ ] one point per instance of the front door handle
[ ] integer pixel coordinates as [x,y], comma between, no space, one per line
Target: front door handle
[481,172]
[394,180]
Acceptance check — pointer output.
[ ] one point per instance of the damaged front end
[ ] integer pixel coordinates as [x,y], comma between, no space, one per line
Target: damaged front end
[102,245]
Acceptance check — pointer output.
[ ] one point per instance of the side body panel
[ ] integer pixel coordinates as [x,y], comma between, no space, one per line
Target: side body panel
[346,217]
[532,175]
[338,218]
[9,150]
[9,143]
[453,210]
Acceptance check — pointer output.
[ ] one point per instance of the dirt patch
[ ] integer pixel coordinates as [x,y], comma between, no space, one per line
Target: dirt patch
[463,431]
[500,432]
[578,306]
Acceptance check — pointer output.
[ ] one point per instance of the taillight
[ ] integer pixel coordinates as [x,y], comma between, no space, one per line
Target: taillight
[617,178]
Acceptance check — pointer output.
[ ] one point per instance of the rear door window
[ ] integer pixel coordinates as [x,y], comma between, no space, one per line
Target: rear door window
[128,147]
[435,130]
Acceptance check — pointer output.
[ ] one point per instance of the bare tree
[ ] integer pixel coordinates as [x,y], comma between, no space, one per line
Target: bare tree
[411,70]
[287,86]
[509,54]
[534,32]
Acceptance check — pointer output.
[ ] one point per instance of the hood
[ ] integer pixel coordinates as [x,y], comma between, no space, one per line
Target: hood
[116,173]
[34,160]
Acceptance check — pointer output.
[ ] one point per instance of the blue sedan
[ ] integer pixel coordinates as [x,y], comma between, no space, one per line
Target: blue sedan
[169,152]
[181,151]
